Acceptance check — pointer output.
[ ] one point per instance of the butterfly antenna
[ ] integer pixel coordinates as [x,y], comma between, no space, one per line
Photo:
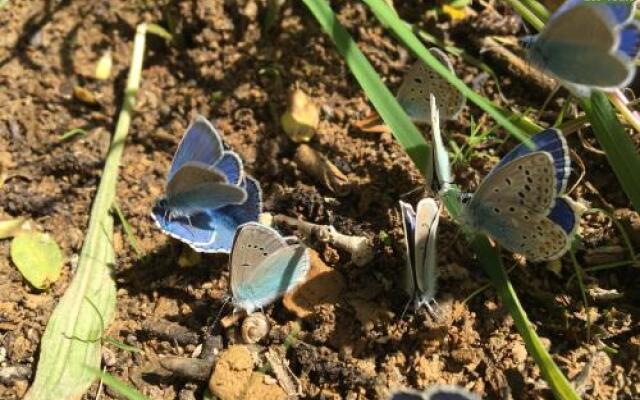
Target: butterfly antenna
[219,315]
[406,307]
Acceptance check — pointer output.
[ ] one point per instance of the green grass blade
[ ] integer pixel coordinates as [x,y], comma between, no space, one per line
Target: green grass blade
[390,19]
[117,385]
[491,264]
[616,143]
[61,372]
[385,103]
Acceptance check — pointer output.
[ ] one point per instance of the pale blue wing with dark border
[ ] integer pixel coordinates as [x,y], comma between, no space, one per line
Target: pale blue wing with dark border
[276,275]
[553,142]
[201,143]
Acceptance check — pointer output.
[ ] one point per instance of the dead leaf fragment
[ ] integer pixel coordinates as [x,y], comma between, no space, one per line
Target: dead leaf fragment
[302,118]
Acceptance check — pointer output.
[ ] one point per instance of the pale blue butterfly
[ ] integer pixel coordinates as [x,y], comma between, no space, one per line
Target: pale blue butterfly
[589,45]
[421,233]
[264,266]
[435,392]
[207,195]
[420,81]
[520,203]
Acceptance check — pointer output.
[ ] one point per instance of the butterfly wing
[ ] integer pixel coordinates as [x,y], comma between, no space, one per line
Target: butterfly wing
[197,231]
[196,188]
[409,227]
[276,275]
[420,81]
[564,215]
[406,394]
[512,205]
[448,392]
[426,273]
[578,46]
[201,143]
[553,142]
[252,244]
[226,220]
[231,166]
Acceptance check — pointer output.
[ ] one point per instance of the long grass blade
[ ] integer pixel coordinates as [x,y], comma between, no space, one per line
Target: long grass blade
[616,143]
[61,371]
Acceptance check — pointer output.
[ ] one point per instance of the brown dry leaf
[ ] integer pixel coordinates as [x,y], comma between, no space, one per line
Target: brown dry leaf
[11,227]
[85,96]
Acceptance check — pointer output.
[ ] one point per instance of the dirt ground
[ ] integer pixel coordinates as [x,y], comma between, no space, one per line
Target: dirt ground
[224,66]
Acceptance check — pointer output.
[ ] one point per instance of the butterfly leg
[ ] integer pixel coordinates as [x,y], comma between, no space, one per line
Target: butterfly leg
[434,309]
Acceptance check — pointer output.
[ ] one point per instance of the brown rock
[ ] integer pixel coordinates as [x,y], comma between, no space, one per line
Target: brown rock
[233,370]
[322,286]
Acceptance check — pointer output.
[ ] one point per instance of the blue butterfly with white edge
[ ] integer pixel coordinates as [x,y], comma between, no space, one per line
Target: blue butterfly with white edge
[264,266]
[421,233]
[435,392]
[520,203]
[207,195]
[589,45]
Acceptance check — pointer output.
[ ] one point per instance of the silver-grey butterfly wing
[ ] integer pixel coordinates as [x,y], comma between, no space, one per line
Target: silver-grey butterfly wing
[578,47]
[512,203]
[277,274]
[420,81]
[252,244]
[190,175]
[427,219]
[196,187]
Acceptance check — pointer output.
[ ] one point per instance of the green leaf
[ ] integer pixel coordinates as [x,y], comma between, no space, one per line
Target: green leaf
[37,257]
[88,305]
[117,385]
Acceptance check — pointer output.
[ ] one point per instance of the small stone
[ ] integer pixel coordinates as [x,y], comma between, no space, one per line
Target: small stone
[323,285]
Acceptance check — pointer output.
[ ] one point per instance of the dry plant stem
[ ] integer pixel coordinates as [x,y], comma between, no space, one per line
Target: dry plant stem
[323,170]
[359,247]
[516,64]
[621,103]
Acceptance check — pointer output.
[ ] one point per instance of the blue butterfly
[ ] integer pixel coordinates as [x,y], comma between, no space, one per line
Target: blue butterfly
[520,203]
[589,45]
[435,392]
[421,233]
[207,195]
[264,266]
